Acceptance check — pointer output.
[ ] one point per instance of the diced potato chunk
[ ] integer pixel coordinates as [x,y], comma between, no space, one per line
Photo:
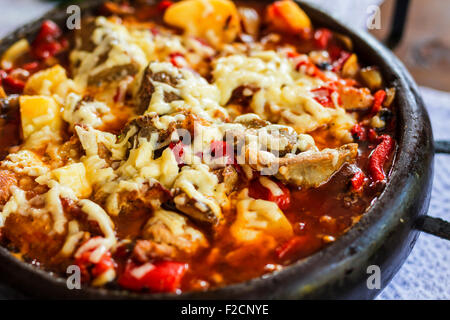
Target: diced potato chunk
[256,218]
[351,67]
[214,20]
[74,177]
[286,16]
[37,112]
[46,81]
[372,77]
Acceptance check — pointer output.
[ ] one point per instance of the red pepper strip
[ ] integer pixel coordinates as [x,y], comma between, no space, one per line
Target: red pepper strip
[87,268]
[14,84]
[178,151]
[339,63]
[154,31]
[49,31]
[219,149]
[349,82]
[163,276]
[358,180]
[373,136]
[283,201]
[103,265]
[323,95]
[258,191]
[46,43]
[173,59]
[31,66]
[164,4]
[3,74]
[117,9]
[378,99]
[378,158]
[292,54]
[44,50]
[312,70]
[291,246]
[359,132]
[322,37]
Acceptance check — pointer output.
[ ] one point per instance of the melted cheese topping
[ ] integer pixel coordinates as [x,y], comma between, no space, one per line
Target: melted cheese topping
[92,113]
[200,184]
[259,218]
[177,224]
[197,95]
[113,40]
[284,94]
[110,166]
[16,203]
[97,214]
[25,162]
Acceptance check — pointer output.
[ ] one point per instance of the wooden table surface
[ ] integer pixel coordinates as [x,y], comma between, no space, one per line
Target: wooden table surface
[425,47]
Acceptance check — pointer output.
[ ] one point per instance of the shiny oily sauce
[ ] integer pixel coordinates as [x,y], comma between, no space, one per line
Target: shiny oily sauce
[158,234]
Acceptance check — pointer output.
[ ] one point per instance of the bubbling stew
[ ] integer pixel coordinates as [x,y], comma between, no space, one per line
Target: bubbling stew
[179,146]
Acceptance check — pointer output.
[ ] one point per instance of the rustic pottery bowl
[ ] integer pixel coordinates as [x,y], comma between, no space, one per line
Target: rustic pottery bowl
[383,237]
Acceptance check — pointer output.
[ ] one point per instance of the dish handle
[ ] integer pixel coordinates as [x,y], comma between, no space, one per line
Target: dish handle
[432,225]
[398,22]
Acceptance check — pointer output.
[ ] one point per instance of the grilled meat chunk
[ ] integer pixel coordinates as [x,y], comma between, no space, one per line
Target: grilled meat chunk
[229,176]
[148,196]
[113,73]
[147,87]
[195,194]
[9,123]
[253,137]
[146,125]
[102,53]
[7,179]
[311,169]
[146,250]
[172,235]
[196,209]
[83,35]
[355,98]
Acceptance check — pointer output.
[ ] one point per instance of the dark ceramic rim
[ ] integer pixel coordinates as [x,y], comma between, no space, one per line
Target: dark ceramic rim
[384,236]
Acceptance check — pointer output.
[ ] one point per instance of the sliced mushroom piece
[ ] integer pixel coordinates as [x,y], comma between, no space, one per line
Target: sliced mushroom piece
[313,168]
[147,87]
